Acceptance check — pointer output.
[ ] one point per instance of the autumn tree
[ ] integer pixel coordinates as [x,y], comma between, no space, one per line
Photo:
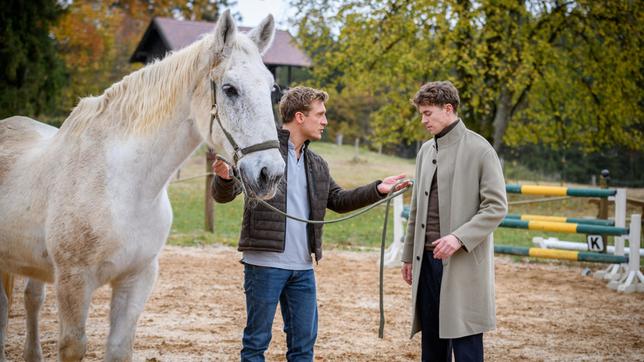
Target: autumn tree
[32,74]
[527,71]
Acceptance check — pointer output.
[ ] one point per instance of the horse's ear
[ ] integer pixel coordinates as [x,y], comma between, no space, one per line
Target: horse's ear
[263,34]
[225,31]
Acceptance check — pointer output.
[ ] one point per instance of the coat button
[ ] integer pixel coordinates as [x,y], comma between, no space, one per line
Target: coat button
[434,162]
[417,257]
[426,193]
[422,226]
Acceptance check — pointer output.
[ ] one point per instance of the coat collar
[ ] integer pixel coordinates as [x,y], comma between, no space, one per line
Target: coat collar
[453,136]
[283,136]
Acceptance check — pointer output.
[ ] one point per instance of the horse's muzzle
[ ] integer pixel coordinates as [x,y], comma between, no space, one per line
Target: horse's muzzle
[262,172]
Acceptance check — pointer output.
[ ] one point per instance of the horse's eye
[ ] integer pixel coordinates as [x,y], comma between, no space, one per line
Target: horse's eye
[230,91]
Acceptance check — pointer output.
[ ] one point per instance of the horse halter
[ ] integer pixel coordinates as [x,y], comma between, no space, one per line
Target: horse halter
[239,152]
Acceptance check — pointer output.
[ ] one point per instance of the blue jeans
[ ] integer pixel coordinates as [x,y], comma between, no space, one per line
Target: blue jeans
[295,291]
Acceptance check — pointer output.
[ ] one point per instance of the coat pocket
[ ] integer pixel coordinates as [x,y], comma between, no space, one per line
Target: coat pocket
[478,253]
[482,250]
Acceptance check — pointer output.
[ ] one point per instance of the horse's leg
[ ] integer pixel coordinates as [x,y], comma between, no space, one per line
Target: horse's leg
[7,281]
[34,297]
[6,287]
[73,294]
[128,299]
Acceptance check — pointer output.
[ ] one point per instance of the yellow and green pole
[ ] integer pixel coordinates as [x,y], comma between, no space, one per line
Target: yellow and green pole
[561,254]
[558,191]
[575,220]
[563,227]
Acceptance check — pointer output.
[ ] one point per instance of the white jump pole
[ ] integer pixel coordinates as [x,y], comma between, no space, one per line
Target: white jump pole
[394,251]
[555,243]
[617,271]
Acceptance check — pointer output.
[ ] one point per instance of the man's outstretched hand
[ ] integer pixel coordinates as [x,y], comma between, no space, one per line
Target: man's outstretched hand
[388,183]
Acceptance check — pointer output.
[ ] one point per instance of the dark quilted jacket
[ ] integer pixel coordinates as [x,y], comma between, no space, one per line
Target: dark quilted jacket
[265,230]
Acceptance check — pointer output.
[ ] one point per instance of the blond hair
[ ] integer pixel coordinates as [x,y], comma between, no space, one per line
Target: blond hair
[299,99]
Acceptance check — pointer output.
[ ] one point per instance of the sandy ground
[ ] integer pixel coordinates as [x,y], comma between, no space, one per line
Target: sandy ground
[545,312]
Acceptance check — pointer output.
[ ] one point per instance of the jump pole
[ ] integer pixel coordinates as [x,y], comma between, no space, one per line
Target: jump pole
[631,281]
[558,191]
[612,272]
[572,255]
[563,227]
[574,220]
[555,243]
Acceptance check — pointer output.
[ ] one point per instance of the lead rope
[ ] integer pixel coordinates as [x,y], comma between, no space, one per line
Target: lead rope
[387,199]
[381,328]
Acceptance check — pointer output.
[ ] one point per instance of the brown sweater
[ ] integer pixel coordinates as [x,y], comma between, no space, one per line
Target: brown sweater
[433,230]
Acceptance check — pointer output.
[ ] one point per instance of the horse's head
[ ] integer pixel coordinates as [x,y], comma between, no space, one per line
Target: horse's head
[242,87]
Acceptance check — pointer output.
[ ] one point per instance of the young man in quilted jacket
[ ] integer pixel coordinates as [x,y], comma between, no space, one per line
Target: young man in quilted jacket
[278,266]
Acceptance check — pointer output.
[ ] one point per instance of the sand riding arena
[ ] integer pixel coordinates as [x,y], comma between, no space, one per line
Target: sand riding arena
[545,312]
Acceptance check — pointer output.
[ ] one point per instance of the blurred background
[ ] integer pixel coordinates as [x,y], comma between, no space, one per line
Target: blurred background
[555,86]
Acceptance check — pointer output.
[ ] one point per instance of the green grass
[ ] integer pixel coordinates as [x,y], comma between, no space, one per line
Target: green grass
[363,231]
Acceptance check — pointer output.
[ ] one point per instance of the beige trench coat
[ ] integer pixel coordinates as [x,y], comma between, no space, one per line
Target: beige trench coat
[472,203]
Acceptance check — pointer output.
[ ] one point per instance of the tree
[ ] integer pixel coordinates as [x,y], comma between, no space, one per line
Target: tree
[32,74]
[96,38]
[535,68]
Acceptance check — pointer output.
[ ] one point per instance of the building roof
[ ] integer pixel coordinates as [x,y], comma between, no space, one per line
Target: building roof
[176,34]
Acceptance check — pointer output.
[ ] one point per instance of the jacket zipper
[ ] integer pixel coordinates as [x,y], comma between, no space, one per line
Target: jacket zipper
[310,183]
[285,196]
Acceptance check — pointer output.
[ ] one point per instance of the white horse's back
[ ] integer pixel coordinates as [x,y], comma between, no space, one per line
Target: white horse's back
[22,140]
[23,143]
[19,136]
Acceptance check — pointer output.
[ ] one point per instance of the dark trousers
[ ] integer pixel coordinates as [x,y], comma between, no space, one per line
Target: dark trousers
[434,348]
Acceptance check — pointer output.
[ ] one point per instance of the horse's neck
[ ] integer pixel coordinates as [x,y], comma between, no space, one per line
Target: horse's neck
[143,165]
[143,123]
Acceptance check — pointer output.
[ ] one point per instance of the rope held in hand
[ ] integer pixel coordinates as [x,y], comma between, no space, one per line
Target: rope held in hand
[387,199]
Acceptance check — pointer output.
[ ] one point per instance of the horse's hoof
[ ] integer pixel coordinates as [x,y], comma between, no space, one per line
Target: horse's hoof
[33,355]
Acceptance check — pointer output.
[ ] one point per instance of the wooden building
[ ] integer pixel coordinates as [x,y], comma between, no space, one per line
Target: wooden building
[284,59]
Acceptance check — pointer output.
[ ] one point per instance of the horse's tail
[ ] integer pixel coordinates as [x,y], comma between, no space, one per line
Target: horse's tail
[7,284]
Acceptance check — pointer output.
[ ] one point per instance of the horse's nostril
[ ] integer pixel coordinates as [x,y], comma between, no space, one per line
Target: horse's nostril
[263,176]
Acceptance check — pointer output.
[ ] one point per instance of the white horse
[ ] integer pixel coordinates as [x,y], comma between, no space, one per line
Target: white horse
[87,205]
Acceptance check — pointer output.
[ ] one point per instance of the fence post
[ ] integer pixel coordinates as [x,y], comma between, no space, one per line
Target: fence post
[603,204]
[209,223]
[632,280]
[620,219]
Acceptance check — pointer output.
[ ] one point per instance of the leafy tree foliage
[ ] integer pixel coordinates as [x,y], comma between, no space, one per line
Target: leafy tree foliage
[96,38]
[31,73]
[560,73]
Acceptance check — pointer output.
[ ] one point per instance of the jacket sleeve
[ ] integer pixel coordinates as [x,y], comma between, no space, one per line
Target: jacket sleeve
[224,190]
[341,200]
[408,246]
[493,204]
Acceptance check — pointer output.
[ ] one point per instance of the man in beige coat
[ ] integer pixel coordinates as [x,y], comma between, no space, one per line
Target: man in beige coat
[448,257]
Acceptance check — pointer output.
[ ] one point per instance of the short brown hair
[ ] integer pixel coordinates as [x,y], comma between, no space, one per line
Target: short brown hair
[437,93]
[299,99]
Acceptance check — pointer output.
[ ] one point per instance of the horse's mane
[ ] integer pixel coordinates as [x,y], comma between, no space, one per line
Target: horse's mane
[142,99]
